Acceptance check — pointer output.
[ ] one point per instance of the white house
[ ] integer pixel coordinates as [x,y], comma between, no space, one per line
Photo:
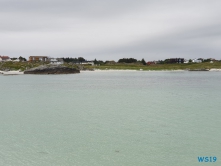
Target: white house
[4,58]
[88,63]
[56,61]
[16,60]
[196,61]
[186,61]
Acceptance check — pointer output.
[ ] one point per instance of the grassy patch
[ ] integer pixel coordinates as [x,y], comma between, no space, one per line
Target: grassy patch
[19,65]
[185,66]
[27,65]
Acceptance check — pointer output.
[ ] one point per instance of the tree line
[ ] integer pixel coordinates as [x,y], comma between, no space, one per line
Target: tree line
[100,62]
[74,60]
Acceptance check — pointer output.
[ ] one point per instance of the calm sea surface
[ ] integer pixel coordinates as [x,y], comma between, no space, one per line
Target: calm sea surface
[125,118]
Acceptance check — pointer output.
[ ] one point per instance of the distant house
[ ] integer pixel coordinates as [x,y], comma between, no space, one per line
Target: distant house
[56,61]
[110,62]
[151,63]
[197,61]
[4,58]
[186,61]
[85,62]
[201,59]
[15,60]
[88,63]
[38,58]
[175,60]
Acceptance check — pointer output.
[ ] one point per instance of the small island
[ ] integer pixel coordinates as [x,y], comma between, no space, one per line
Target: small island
[52,69]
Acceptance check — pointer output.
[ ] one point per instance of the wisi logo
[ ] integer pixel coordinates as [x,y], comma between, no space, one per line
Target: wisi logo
[207,159]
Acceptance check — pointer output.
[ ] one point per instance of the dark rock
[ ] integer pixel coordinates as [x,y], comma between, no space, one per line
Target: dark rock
[53,69]
[199,69]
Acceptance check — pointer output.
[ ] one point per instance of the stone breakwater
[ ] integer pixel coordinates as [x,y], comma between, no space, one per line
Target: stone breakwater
[52,70]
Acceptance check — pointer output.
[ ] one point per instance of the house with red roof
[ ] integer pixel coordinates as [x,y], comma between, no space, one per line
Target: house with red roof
[38,58]
[4,58]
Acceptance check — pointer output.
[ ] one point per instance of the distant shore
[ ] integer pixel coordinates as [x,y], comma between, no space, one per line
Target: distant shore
[15,72]
[128,70]
[24,66]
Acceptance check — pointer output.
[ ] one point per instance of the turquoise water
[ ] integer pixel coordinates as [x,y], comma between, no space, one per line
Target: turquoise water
[122,118]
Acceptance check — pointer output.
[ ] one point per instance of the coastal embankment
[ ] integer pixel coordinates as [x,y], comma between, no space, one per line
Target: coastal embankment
[32,67]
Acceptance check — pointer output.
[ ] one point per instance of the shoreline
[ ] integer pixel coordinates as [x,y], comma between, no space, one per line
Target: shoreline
[130,70]
[13,72]
[16,72]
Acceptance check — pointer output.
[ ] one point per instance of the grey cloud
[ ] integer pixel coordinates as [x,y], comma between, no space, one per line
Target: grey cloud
[89,8]
[193,43]
[110,29]
[26,15]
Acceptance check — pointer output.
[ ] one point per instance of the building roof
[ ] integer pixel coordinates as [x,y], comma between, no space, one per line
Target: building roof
[38,56]
[4,57]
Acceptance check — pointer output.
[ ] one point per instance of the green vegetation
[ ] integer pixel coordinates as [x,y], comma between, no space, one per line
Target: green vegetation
[127,60]
[22,59]
[175,66]
[19,65]
[74,60]
[117,66]
[98,62]
[143,62]
[27,65]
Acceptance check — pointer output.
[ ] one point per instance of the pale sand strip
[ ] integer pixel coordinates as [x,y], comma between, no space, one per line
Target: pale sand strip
[125,70]
[11,72]
[215,70]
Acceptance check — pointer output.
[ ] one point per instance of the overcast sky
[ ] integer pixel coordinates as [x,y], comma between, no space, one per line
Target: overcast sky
[111,29]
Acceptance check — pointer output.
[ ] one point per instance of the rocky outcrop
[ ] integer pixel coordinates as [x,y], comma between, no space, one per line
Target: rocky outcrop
[199,69]
[52,69]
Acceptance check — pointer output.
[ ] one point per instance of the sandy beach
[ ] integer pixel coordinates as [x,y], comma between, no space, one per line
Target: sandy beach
[215,70]
[11,72]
